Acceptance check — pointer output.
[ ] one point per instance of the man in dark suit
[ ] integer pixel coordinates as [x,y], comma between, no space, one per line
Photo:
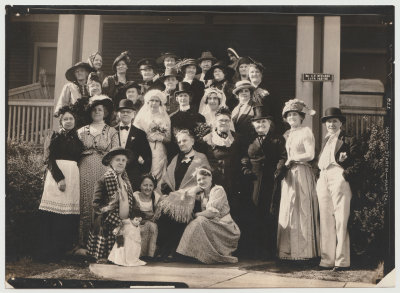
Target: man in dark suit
[135,140]
[339,165]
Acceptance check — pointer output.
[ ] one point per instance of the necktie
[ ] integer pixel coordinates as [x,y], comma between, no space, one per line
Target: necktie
[124,128]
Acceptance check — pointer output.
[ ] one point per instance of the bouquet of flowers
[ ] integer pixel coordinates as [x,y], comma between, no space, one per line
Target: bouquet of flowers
[157,132]
[202,130]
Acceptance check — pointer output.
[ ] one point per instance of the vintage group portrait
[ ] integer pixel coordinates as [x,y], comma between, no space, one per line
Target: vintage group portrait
[199,146]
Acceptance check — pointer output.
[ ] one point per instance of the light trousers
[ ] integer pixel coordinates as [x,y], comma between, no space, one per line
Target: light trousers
[334,195]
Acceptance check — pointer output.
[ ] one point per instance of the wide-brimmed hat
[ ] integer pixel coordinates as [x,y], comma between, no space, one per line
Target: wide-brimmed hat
[126,104]
[233,52]
[114,152]
[170,72]
[243,84]
[333,112]
[296,105]
[229,72]
[207,55]
[261,113]
[146,63]
[183,87]
[93,77]
[100,100]
[123,56]
[160,60]
[70,73]
[186,62]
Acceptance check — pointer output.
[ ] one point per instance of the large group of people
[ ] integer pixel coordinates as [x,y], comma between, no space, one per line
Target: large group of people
[194,162]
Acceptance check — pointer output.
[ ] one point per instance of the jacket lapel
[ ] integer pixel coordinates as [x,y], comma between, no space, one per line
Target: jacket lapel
[339,142]
[170,176]
[131,134]
[244,115]
[189,173]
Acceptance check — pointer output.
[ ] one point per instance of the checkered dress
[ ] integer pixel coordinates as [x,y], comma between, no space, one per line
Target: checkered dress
[101,238]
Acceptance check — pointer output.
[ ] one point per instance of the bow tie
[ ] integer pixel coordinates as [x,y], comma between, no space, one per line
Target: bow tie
[223,134]
[187,159]
[124,128]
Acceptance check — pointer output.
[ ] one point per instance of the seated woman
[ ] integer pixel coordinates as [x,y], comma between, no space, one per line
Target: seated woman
[175,210]
[113,204]
[146,201]
[212,236]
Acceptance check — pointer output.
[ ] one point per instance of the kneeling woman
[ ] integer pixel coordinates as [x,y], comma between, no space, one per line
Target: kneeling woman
[212,236]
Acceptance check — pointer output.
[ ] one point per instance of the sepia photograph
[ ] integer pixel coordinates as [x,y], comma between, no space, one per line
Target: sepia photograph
[229,147]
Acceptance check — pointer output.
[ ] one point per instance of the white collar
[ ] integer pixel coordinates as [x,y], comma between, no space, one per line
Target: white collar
[333,134]
[184,108]
[188,80]
[189,154]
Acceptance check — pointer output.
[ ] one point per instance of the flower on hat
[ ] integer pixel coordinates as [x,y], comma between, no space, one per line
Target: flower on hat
[297,105]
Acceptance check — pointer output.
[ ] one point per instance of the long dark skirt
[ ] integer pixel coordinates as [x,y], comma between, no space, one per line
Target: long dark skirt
[169,235]
[59,234]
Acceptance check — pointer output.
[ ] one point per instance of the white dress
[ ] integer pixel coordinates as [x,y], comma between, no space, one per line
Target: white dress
[158,130]
[128,254]
[298,226]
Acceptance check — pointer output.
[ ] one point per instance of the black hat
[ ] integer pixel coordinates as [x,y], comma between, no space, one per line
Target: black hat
[100,100]
[131,84]
[333,112]
[207,55]
[146,63]
[161,59]
[229,72]
[123,56]
[114,152]
[257,64]
[126,104]
[186,62]
[223,111]
[93,77]
[170,72]
[261,113]
[183,87]
[243,60]
[70,73]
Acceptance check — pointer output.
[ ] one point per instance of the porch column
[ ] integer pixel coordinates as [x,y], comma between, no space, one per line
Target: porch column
[305,61]
[92,31]
[331,63]
[66,52]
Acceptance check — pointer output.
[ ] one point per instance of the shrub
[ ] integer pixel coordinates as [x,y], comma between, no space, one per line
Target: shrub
[24,186]
[371,197]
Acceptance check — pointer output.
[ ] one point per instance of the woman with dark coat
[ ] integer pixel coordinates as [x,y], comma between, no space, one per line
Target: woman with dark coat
[189,69]
[221,77]
[114,85]
[264,163]
[223,150]
[60,200]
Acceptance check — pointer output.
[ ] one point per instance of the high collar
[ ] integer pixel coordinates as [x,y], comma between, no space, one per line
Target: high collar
[184,108]
[337,133]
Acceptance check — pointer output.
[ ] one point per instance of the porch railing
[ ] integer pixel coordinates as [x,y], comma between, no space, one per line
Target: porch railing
[30,113]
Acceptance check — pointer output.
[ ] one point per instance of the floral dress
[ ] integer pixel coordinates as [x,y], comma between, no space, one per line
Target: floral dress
[90,170]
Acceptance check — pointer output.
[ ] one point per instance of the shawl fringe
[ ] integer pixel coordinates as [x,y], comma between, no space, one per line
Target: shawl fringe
[178,206]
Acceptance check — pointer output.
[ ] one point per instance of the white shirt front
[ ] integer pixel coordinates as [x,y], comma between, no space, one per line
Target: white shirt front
[189,81]
[242,108]
[184,108]
[328,153]
[123,134]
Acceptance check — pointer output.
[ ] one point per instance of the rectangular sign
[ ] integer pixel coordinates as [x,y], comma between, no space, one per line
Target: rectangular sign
[317,77]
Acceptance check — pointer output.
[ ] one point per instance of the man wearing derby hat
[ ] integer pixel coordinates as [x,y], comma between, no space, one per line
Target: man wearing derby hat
[134,140]
[263,164]
[170,78]
[189,69]
[205,62]
[147,69]
[76,86]
[339,165]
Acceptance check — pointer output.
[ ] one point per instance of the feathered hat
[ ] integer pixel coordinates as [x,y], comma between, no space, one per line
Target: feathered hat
[298,106]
